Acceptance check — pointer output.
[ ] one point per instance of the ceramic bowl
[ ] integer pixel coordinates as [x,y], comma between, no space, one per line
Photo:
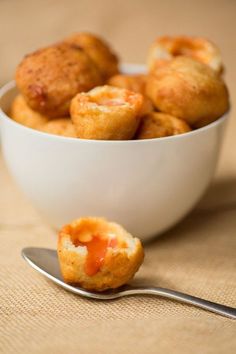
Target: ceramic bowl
[145,185]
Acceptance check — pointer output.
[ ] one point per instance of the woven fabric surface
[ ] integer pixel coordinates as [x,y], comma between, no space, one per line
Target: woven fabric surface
[198,256]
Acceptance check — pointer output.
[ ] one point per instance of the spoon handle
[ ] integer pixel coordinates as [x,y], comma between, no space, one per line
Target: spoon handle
[188,299]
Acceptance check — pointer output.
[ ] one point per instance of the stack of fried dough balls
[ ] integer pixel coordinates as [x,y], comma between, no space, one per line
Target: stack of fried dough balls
[75,89]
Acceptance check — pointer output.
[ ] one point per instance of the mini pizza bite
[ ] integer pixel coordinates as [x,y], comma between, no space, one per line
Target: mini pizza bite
[98,255]
[98,51]
[23,114]
[167,47]
[50,77]
[135,83]
[60,126]
[106,113]
[158,125]
[189,90]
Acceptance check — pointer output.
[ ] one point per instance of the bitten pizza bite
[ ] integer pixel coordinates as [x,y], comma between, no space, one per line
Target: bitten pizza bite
[188,89]
[23,114]
[158,125]
[135,83]
[201,49]
[97,254]
[50,77]
[98,51]
[106,113]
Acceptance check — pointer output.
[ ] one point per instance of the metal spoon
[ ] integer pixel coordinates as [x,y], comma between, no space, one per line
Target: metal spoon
[45,261]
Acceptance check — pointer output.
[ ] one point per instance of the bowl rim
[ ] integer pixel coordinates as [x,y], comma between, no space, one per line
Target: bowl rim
[126,68]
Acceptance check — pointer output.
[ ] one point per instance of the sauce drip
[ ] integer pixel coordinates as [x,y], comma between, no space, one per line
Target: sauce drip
[97,248]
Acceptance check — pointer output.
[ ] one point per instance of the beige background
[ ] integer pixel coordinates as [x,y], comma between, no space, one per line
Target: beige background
[198,256]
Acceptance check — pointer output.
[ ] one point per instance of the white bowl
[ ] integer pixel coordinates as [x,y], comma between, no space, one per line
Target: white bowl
[145,185]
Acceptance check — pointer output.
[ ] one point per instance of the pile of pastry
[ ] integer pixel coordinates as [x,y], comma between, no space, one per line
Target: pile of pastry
[75,89]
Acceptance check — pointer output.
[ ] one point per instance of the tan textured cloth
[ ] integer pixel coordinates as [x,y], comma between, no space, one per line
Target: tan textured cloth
[197,256]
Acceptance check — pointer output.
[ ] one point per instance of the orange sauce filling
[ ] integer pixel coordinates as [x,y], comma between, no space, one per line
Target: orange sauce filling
[97,248]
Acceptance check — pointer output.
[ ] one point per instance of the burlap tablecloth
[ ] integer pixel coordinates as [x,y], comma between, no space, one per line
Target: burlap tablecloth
[198,256]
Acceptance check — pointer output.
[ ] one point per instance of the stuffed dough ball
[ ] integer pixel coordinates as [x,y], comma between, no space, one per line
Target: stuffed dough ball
[106,113]
[189,90]
[132,82]
[23,114]
[167,47]
[60,126]
[158,125]
[98,255]
[50,77]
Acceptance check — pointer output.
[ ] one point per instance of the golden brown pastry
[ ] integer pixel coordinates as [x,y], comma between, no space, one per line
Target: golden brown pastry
[135,83]
[98,50]
[50,77]
[23,114]
[158,125]
[106,113]
[97,254]
[201,49]
[188,89]
[60,126]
